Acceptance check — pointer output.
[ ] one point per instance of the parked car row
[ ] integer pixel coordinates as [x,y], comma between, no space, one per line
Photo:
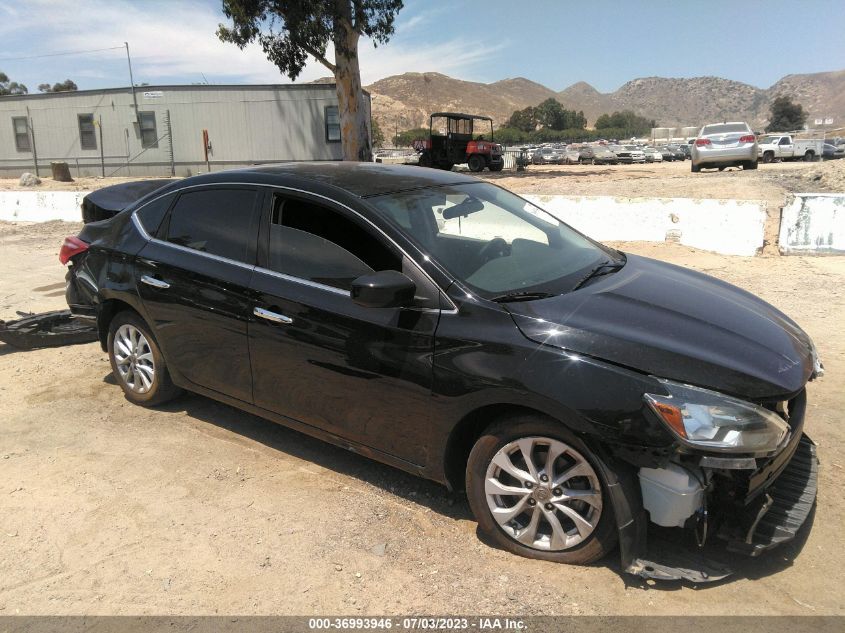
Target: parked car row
[718,146]
[602,154]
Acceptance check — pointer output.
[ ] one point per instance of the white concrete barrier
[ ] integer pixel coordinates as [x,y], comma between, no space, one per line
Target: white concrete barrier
[41,206]
[813,223]
[732,227]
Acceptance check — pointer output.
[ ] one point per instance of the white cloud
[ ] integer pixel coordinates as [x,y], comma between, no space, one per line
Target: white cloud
[177,40]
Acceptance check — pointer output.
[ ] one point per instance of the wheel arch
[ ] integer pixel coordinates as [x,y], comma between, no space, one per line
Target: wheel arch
[107,310]
[469,428]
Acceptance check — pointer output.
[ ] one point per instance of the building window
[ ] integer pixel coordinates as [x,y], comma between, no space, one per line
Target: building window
[87,133]
[332,124]
[147,124]
[21,134]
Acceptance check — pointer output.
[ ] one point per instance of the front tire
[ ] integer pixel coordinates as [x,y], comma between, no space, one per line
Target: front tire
[537,491]
[476,163]
[137,363]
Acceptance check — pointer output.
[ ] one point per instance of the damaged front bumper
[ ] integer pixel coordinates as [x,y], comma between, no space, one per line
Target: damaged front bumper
[749,511]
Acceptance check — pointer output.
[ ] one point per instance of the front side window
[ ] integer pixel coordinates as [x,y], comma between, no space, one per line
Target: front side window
[147,125]
[312,242]
[214,221]
[492,240]
[332,124]
[87,133]
[21,129]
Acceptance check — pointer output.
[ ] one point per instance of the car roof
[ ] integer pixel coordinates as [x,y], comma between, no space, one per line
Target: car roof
[357,178]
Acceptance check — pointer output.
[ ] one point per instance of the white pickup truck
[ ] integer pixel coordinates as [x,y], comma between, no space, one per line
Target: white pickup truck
[773,147]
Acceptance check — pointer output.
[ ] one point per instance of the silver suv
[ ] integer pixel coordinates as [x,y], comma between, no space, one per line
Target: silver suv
[725,145]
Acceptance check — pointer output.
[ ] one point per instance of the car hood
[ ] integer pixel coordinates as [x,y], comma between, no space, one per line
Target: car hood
[678,324]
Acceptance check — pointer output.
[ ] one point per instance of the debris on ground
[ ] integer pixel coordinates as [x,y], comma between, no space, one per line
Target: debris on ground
[29,180]
[48,329]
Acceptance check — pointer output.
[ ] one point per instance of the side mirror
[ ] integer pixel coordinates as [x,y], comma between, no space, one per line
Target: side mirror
[383,289]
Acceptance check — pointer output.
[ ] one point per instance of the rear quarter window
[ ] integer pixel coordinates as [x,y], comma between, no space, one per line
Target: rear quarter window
[152,213]
[724,128]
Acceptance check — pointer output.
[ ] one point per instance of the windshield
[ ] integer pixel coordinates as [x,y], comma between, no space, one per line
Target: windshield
[492,240]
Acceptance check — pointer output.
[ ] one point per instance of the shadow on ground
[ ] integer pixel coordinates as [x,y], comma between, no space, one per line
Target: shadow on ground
[455,506]
[296,444]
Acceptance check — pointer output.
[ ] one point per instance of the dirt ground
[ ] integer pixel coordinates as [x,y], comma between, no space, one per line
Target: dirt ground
[197,508]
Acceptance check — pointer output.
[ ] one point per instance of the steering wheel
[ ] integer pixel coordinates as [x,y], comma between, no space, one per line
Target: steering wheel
[497,247]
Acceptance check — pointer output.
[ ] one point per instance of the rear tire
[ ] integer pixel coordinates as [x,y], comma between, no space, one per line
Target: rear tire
[557,518]
[497,166]
[425,160]
[476,163]
[137,363]
[695,168]
[751,164]
[809,156]
[768,157]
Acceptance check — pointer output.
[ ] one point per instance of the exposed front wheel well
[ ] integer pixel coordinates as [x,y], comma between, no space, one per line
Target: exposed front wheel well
[108,310]
[466,433]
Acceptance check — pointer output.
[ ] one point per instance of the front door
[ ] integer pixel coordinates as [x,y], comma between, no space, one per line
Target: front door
[363,374]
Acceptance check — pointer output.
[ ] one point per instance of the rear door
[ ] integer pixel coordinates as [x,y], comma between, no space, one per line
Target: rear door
[364,374]
[193,278]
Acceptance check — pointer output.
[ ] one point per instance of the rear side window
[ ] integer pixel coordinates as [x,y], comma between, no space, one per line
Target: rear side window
[215,221]
[152,213]
[319,244]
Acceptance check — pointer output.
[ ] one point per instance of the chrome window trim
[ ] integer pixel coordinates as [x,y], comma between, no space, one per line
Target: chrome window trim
[299,280]
[302,281]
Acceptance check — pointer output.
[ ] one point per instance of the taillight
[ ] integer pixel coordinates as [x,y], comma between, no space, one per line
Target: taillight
[70,247]
[748,138]
[701,142]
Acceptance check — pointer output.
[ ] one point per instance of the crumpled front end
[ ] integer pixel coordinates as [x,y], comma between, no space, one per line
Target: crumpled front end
[722,504]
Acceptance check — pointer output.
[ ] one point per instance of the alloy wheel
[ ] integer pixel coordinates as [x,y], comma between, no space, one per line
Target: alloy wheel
[134,358]
[543,493]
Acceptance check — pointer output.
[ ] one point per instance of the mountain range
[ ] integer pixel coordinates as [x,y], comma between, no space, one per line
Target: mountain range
[405,101]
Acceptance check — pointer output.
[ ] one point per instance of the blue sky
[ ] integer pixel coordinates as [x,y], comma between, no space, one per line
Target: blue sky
[554,42]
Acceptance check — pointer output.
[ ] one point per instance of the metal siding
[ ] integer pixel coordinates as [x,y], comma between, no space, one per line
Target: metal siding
[246,125]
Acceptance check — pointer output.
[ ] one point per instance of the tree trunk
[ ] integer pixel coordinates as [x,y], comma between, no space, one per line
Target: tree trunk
[352,107]
[61,172]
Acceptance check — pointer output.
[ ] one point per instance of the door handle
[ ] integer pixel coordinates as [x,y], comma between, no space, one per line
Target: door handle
[155,283]
[275,317]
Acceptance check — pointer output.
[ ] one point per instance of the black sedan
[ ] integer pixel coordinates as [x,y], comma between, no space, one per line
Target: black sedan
[452,329]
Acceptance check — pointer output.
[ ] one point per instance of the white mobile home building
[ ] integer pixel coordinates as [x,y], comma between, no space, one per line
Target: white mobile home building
[173,130]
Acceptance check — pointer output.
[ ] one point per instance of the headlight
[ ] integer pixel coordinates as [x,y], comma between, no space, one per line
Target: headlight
[818,367]
[713,421]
